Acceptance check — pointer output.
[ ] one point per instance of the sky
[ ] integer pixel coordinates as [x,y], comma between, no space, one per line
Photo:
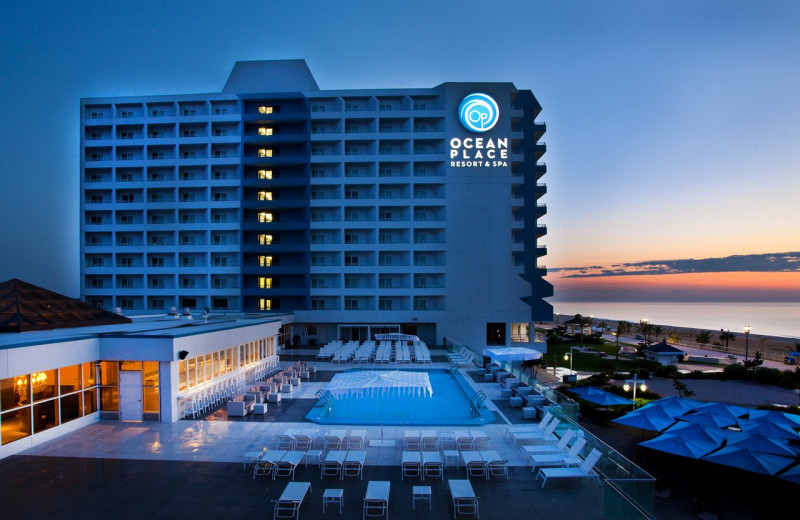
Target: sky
[672,127]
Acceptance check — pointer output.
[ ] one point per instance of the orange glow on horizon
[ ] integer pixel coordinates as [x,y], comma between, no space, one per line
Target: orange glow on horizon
[761,281]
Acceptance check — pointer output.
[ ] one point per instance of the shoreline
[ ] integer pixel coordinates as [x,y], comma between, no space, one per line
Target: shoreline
[772,347]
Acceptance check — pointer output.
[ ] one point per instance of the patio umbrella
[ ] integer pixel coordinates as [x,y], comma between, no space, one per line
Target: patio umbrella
[723,410]
[680,445]
[697,432]
[676,405]
[587,390]
[771,416]
[757,462]
[792,475]
[647,418]
[606,399]
[760,443]
[769,429]
[708,419]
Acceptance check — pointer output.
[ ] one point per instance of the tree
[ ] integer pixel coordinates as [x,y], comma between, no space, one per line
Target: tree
[533,365]
[658,331]
[645,328]
[703,337]
[623,327]
[681,388]
[752,365]
[602,326]
[726,336]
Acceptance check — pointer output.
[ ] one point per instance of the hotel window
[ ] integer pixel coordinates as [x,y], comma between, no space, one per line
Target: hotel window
[318,172]
[351,150]
[218,175]
[264,282]
[420,304]
[351,260]
[318,282]
[419,106]
[264,240]
[385,129]
[220,261]
[126,157]
[157,113]
[385,215]
[350,107]
[127,303]
[385,106]
[318,108]
[264,261]
[317,238]
[263,217]
[95,220]
[351,282]
[317,304]
[263,109]
[126,135]
[385,150]
[385,193]
[350,238]
[385,172]
[189,155]
[384,259]
[385,282]
[351,194]
[189,112]
[264,304]
[157,261]
[420,282]
[317,194]
[157,156]
[220,154]
[97,262]
[350,304]
[219,111]
[317,259]
[352,172]
[265,174]
[317,216]
[264,195]
[155,134]
[188,133]
[126,115]
[384,238]
[219,196]
[384,304]
[157,304]
[265,152]
[264,131]
[95,115]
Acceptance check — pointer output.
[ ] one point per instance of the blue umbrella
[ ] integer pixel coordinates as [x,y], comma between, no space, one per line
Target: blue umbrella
[764,463]
[680,445]
[697,432]
[708,419]
[647,418]
[723,410]
[771,416]
[606,399]
[769,429]
[792,475]
[676,405]
[760,443]
[587,390]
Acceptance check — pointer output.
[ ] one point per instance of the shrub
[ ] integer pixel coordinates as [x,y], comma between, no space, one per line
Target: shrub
[695,374]
[768,376]
[735,372]
[555,339]
[668,371]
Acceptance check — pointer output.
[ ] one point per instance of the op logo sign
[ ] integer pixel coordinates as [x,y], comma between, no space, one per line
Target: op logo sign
[478,112]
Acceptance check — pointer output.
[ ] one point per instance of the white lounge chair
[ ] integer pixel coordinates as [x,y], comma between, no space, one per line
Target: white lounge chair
[585,470]
[540,426]
[560,446]
[546,436]
[565,458]
[376,499]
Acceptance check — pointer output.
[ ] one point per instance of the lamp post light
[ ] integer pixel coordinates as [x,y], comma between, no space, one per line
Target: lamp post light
[569,355]
[634,382]
[646,329]
[746,341]
[556,319]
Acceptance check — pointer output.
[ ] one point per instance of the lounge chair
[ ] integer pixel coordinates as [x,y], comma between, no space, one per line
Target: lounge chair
[465,501]
[497,468]
[546,436]
[376,499]
[565,458]
[562,445]
[540,426]
[585,470]
[411,465]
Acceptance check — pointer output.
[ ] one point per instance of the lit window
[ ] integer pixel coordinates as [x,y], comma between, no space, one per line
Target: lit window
[264,152]
[264,131]
[263,216]
[264,261]
[264,240]
[264,110]
[264,195]
[265,174]
[265,304]
[264,282]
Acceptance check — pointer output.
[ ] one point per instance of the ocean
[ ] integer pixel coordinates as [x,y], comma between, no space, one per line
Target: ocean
[770,319]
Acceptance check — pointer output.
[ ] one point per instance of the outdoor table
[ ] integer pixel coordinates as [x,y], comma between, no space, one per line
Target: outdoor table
[462,493]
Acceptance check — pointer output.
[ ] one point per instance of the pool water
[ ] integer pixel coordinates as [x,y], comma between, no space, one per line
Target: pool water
[449,405]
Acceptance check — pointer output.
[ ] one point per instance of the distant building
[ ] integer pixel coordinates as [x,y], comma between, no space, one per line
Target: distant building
[663,353]
[359,211]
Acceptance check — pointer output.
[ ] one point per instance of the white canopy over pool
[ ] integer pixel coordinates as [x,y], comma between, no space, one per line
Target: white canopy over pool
[511,354]
[369,383]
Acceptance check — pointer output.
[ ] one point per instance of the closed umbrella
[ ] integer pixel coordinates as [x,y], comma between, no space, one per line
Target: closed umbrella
[748,460]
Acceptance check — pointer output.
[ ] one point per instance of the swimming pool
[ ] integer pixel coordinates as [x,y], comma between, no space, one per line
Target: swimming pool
[449,405]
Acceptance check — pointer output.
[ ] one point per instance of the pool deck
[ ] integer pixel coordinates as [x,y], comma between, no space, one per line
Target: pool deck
[194,469]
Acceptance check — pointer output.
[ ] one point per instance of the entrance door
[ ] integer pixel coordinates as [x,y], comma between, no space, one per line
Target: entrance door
[130,395]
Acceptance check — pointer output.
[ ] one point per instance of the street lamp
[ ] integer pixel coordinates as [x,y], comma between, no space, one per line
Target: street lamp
[646,329]
[569,355]
[556,319]
[746,341]
[634,382]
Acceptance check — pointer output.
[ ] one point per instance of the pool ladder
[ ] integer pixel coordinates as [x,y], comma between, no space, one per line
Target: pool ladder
[325,399]
[476,402]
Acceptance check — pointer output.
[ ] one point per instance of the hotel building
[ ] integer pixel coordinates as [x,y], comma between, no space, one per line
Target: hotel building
[357,211]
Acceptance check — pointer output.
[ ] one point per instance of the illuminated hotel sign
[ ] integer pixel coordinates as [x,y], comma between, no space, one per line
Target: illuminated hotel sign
[478,113]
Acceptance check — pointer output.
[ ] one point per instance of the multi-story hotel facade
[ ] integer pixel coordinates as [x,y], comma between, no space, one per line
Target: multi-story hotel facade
[411,210]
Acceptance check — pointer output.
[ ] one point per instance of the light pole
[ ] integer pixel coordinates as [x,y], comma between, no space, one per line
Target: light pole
[556,319]
[569,356]
[646,330]
[746,341]
[634,382]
